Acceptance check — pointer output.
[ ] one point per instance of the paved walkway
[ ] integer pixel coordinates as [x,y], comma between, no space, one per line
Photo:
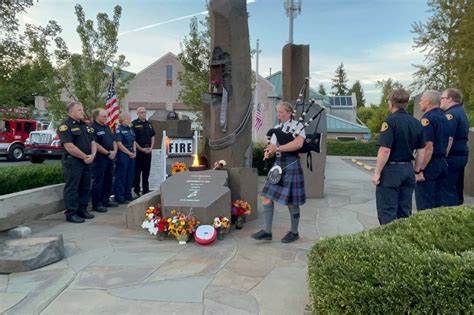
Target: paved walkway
[109,269]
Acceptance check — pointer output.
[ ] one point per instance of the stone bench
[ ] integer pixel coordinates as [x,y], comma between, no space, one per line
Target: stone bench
[29,205]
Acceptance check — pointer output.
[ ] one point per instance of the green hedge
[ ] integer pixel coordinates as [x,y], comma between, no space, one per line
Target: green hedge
[422,265]
[351,148]
[18,178]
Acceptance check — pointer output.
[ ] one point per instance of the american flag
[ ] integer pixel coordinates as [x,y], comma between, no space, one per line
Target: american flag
[111,104]
[258,117]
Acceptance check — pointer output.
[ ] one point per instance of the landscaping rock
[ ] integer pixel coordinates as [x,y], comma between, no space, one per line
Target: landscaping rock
[30,253]
[19,232]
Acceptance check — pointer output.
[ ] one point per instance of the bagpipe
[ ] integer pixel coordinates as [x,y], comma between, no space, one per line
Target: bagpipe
[312,140]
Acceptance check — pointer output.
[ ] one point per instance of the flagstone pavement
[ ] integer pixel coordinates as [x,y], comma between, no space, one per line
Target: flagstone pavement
[111,270]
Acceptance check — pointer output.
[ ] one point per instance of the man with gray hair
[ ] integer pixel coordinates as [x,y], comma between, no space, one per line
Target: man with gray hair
[433,172]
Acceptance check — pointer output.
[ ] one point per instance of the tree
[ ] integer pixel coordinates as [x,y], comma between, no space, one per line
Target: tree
[359,92]
[194,56]
[465,62]
[437,39]
[322,89]
[365,113]
[387,87]
[381,113]
[339,83]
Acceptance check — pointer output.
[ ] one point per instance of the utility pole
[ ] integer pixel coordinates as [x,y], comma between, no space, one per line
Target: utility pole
[293,9]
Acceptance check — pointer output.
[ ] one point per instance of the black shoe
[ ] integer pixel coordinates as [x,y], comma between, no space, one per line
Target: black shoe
[262,235]
[85,214]
[290,237]
[74,218]
[111,204]
[100,209]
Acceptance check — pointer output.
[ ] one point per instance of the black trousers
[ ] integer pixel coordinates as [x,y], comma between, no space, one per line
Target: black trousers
[77,178]
[429,193]
[142,168]
[102,176]
[394,193]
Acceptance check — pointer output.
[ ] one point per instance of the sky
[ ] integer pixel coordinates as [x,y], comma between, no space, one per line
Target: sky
[371,37]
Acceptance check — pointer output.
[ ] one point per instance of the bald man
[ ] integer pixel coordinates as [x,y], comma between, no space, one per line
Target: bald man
[145,138]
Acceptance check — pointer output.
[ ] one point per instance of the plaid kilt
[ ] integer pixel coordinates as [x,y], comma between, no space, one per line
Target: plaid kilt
[290,189]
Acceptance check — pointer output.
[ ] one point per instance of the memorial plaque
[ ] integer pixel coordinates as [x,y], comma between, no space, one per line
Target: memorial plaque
[204,193]
[156,169]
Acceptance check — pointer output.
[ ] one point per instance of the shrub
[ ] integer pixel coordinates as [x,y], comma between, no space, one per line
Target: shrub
[351,148]
[257,158]
[423,264]
[18,178]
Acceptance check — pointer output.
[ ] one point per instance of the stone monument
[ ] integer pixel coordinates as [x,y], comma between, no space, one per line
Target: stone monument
[295,70]
[227,110]
[204,193]
[469,170]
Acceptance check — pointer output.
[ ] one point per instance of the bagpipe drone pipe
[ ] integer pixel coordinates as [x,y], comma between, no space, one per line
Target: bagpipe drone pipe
[302,110]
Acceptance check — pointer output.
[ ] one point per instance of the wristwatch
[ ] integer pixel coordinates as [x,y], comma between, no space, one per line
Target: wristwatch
[109,153]
[420,171]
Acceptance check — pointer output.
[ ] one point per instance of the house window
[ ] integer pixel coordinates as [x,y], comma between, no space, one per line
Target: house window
[169,75]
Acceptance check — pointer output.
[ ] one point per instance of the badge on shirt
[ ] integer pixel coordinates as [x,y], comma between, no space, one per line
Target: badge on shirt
[63,128]
[425,122]
[384,127]
[90,129]
[449,116]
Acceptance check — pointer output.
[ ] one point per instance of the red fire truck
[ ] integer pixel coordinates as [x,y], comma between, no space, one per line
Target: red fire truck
[14,132]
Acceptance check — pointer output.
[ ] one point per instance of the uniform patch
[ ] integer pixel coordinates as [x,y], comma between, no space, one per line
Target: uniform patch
[425,122]
[90,129]
[75,129]
[449,116]
[384,127]
[63,128]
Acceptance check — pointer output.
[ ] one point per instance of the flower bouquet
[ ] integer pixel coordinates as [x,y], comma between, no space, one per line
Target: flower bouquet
[182,225]
[221,224]
[240,209]
[154,223]
[178,167]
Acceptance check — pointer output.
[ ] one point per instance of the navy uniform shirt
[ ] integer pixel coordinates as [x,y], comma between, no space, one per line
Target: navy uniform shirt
[125,135]
[77,133]
[435,127]
[458,128]
[143,132]
[103,136]
[402,133]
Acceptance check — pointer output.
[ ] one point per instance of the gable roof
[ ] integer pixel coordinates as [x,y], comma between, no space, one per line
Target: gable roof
[158,61]
[337,124]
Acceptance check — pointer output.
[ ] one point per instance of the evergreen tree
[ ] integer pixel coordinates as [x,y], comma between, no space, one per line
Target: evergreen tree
[359,92]
[195,55]
[339,83]
[322,89]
